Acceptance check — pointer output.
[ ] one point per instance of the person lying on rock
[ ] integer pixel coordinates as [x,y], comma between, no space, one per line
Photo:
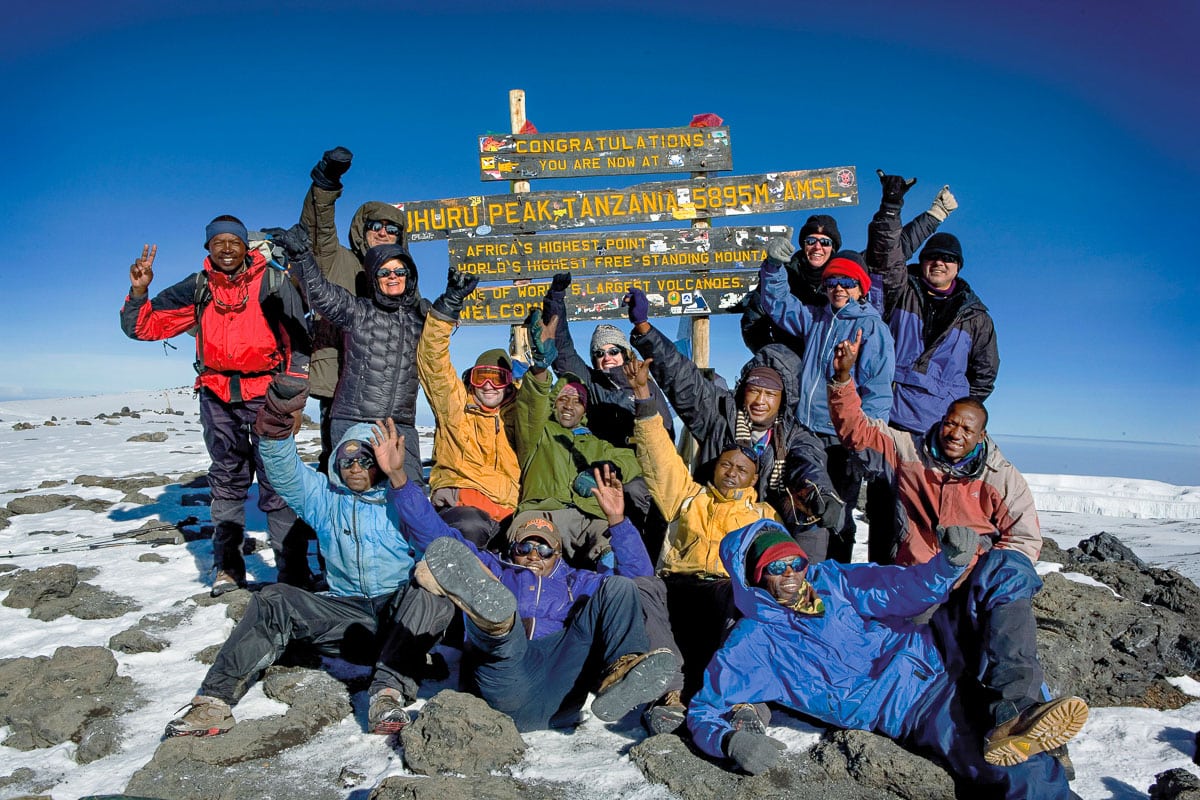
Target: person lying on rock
[539,632]
[836,642]
[372,608]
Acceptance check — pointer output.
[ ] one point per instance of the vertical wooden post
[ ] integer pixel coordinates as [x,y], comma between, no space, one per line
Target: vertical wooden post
[518,336]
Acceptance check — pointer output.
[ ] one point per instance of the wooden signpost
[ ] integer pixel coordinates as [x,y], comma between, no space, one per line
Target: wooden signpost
[643,151]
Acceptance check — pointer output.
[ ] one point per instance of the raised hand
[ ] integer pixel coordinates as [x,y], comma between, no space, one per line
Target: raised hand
[609,493]
[845,355]
[780,251]
[638,305]
[943,204]
[638,375]
[389,451]
[141,272]
[894,187]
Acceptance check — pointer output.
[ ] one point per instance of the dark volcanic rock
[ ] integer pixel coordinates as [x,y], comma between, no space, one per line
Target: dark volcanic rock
[1175,784]
[50,592]
[40,503]
[478,787]
[459,733]
[129,483]
[156,436]
[136,641]
[46,701]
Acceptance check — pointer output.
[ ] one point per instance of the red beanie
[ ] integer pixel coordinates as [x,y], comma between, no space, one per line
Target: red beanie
[772,544]
[844,267]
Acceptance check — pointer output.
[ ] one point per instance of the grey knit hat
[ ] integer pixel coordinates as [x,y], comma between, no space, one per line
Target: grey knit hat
[609,335]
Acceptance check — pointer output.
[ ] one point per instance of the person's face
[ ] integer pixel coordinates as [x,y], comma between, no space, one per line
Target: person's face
[762,405]
[568,411]
[839,294]
[609,356]
[819,251]
[939,272]
[226,252]
[534,560]
[734,471]
[357,477]
[489,395]
[785,588]
[962,428]
[381,236]
[389,278]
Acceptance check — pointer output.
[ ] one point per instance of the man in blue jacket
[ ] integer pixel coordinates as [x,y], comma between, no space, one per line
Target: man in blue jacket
[368,565]
[836,642]
[539,630]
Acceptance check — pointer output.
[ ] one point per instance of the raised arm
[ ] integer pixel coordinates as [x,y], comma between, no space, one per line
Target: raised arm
[169,314]
[775,296]
[554,307]
[318,212]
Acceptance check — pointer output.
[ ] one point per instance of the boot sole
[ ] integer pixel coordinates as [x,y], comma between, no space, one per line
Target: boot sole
[1053,727]
[173,732]
[468,583]
[388,728]
[644,683]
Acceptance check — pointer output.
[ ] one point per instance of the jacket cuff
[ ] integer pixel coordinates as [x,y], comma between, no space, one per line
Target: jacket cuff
[645,408]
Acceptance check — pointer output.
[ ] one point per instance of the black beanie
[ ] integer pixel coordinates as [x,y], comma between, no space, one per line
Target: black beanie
[943,244]
[822,223]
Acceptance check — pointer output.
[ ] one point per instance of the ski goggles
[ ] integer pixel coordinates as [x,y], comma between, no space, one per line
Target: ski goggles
[777,568]
[482,377]
[824,241]
[363,462]
[388,272]
[843,283]
[390,228]
[528,547]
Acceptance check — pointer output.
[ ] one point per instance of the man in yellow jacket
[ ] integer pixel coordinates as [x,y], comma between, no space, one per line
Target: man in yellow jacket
[475,477]
[699,594]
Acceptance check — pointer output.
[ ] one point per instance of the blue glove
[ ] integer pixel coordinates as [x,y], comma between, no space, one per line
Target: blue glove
[639,306]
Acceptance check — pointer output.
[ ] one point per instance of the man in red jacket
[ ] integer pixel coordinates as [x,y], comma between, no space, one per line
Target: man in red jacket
[249,326]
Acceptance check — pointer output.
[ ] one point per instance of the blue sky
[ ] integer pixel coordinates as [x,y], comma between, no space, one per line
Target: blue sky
[1066,130]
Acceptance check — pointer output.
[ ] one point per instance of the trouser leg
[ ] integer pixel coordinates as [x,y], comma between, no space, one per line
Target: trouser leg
[844,475]
[276,616]
[326,403]
[289,537]
[883,539]
[418,621]
[473,523]
[652,593]
[229,476]
[701,612]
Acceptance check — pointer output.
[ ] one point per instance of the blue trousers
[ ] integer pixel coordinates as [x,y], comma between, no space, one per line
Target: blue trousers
[529,680]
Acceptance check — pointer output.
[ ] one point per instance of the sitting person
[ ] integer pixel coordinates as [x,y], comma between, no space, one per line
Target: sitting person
[698,592]
[475,478]
[557,452]
[841,649]
[535,624]
[368,562]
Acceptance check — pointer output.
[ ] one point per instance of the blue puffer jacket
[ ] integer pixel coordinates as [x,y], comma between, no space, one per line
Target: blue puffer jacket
[543,602]
[861,664]
[823,329]
[365,553]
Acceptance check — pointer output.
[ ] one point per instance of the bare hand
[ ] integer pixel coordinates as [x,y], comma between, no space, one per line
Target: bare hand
[638,375]
[389,451]
[610,494]
[845,355]
[141,272]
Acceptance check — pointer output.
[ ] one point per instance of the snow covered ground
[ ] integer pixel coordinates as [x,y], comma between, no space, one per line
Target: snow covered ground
[1116,756]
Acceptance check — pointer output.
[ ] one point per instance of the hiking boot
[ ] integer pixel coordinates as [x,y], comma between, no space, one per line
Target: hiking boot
[463,578]
[206,716]
[631,680]
[1038,729]
[747,717]
[665,715]
[387,713]
[225,582]
[1061,755]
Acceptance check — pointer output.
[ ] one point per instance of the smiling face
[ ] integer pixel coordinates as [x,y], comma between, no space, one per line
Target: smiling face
[734,471]
[839,296]
[939,271]
[568,411]
[962,428]
[381,236]
[818,252]
[610,356]
[227,252]
[761,405]
[388,281]
[534,561]
[785,588]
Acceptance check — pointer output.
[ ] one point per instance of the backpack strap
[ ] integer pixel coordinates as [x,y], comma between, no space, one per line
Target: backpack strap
[201,297]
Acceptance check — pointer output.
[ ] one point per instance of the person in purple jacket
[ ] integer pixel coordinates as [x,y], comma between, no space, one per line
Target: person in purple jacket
[536,671]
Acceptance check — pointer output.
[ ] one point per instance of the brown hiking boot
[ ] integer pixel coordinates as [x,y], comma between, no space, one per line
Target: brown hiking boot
[666,714]
[225,582]
[1038,729]
[471,586]
[631,680]
[386,714]
[206,716]
[748,717]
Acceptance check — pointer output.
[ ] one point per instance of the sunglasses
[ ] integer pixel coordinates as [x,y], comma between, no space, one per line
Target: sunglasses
[399,272]
[390,228]
[844,283]
[608,351]
[777,568]
[945,258]
[824,241]
[483,376]
[363,462]
[528,547]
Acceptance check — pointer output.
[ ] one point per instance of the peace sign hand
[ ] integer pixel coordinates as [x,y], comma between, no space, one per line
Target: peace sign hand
[141,272]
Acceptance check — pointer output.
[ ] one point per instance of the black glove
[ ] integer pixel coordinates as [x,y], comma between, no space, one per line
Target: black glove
[459,286]
[554,303]
[545,352]
[328,172]
[894,189]
[639,306]
[959,543]
[754,752]
[779,251]
[286,395]
[831,509]
[294,240]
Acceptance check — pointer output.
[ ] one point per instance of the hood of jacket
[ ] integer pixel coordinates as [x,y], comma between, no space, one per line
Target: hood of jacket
[376,494]
[400,253]
[373,209]
[754,602]
[783,360]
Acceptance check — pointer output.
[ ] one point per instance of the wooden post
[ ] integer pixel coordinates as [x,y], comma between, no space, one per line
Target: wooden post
[518,336]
